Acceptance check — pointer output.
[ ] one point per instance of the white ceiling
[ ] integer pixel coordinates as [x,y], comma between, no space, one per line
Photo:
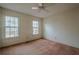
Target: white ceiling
[27,8]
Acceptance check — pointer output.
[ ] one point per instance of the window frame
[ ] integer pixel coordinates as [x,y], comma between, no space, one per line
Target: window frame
[35,27]
[12,27]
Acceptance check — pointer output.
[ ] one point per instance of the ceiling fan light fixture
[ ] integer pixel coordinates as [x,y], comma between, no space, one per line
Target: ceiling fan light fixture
[35,8]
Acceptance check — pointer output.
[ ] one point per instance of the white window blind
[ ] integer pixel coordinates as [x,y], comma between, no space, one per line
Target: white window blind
[11,26]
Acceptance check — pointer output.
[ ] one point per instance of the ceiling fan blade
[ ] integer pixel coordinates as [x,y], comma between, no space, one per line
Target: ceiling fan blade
[35,8]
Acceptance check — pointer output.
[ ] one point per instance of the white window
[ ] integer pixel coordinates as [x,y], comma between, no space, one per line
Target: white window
[35,27]
[11,26]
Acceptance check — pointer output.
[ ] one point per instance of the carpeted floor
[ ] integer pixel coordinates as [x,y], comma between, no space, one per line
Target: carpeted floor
[39,47]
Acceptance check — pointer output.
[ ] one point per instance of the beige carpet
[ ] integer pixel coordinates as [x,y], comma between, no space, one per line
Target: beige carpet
[39,47]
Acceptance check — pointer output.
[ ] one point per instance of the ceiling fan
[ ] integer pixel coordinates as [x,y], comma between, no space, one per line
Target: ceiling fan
[40,7]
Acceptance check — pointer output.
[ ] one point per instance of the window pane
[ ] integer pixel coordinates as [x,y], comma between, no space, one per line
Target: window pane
[7,34]
[35,23]
[11,32]
[14,31]
[7,31]
[14,21]
[35,32]
[11,21]
[7,21]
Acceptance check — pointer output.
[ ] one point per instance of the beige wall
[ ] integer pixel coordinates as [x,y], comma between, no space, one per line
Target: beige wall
[25,28]
[63,26]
